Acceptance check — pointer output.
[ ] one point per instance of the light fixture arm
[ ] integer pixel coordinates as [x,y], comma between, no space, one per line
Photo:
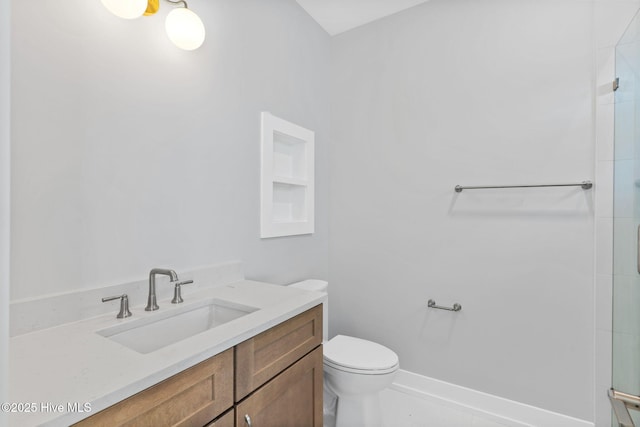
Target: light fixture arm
[179,1]
[154,5]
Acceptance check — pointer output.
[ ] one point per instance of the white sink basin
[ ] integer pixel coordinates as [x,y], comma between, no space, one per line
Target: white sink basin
[161,329]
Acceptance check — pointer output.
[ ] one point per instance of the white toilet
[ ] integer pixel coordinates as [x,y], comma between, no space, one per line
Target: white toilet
[355,371]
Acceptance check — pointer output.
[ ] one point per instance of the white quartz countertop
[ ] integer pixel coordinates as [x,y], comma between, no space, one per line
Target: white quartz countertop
[57,373]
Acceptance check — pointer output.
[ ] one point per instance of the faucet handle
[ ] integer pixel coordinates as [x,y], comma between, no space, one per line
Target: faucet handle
[124,305]
[177,294]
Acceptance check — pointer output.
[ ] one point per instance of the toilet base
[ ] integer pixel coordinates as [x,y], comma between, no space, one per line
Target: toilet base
[329,406]
[359,411]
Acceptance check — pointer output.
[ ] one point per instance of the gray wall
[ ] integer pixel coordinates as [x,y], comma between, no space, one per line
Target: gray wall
[5,167]
[129,153]
[447,93]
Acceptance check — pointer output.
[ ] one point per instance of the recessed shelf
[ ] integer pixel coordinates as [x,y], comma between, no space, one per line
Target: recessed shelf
[290,181]
[287,178]
[289,156]
[289,203]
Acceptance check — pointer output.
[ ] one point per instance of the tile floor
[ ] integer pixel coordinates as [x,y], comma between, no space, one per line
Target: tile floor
[404,410]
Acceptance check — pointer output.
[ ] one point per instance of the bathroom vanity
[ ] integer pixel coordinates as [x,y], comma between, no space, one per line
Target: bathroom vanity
[264,368]
[277,377]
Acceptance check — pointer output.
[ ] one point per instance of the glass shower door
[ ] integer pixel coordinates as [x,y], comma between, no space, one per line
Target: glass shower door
[626,222]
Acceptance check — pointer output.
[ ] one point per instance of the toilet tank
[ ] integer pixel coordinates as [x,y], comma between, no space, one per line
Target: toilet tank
[318,286]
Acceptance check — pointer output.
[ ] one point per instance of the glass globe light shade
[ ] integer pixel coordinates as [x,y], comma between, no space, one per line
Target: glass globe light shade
[185,29]
[127,9]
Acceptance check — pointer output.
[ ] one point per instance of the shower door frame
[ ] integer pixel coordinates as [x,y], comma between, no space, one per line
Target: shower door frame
[626,220]
[621,403]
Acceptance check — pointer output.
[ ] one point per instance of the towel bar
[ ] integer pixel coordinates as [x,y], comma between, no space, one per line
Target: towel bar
[586,185]
[432,304]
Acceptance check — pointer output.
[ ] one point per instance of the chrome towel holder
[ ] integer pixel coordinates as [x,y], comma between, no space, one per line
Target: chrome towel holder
[432,304]
[585,185]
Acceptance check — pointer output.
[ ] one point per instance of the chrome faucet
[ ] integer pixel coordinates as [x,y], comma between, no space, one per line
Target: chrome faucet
[151,301]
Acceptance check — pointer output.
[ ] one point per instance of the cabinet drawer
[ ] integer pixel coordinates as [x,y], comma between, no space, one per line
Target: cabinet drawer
[264,356]
[191,398]
[292,399]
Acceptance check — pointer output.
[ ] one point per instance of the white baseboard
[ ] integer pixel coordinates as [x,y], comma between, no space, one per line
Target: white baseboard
[493,408]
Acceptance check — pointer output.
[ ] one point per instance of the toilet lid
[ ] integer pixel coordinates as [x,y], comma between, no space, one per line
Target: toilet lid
[356,353]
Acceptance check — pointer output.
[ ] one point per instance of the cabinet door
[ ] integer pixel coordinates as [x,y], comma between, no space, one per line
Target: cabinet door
[191,398]
[266,355]
[292,399]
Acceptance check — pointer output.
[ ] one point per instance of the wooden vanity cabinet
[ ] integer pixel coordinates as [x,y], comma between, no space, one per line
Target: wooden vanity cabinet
[274,378]
[193,397]
[264,356]
[279,374]
[291,399]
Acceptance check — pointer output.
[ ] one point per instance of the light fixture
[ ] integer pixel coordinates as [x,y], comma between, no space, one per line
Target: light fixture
[184,28]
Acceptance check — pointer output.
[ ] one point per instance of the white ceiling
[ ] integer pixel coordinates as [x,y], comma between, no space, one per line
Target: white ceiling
[337,16]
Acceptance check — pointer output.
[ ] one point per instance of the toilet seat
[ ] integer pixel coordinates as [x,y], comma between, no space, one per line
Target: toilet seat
[359,356]
[361,371]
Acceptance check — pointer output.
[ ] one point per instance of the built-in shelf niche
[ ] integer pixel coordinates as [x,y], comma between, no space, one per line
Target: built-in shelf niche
[287,187]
